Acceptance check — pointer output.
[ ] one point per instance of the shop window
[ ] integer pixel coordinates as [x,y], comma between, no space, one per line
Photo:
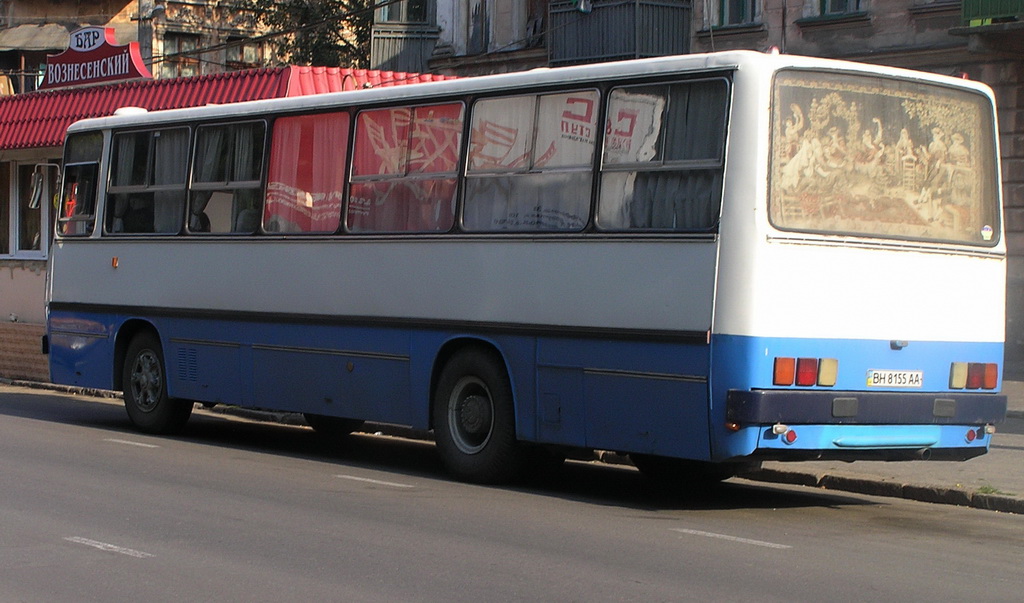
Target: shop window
[663,157]
[530,162]
[181,58]
[405,167]
[227,178]
[306,177]
[6,234]
[25,199]
[147,181]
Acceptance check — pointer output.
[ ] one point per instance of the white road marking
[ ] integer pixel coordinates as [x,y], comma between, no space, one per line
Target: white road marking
[770,545]
[130,443]
[375,481]
[105,546]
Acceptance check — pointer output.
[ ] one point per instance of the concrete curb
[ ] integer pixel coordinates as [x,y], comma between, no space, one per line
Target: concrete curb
[880,487]
[827,481]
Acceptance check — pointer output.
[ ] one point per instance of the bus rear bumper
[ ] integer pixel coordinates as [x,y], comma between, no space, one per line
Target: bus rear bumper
[864,408]
[850,426]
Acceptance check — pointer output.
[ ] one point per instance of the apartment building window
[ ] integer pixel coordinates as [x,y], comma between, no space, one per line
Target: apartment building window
[180,56]
[839,7]
[406,11]
[739,12]
[241,54]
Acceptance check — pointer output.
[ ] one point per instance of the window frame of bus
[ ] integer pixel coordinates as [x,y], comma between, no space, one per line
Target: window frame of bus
[274,220]
[150,172]
[405,174]
[213,187]
[534,168]
[658,163]
[80,164]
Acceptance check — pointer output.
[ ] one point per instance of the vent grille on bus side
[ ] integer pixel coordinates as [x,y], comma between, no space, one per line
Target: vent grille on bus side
[188,364]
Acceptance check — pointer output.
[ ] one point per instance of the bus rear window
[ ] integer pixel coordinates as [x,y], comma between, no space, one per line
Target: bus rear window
[879,157]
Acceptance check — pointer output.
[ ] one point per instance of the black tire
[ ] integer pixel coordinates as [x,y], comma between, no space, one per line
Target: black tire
[474,419]
[682,475]
[332,428]
[144,382]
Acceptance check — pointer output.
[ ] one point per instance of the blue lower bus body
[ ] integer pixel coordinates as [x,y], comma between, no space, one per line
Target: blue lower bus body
[684,397]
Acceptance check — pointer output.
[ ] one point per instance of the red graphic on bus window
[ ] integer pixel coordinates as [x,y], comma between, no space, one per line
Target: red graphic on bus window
[71,201]
[493,144]
[396,149]
[587,116]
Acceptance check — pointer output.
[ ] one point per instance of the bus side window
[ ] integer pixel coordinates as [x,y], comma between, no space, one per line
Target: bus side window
[146,193]
[227,178]
[663,157]
[530,162]
[404,169]
[77,211]
[306,174]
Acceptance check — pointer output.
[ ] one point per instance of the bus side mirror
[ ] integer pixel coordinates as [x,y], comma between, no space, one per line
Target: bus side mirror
[39,183]
[37,189]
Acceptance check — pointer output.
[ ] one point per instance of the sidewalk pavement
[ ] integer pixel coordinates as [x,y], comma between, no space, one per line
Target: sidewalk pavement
[993,481]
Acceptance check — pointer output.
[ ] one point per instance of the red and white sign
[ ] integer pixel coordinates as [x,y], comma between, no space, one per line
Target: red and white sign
[93,57]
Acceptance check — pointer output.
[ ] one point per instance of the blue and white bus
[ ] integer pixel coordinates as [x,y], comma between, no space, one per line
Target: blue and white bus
[701,261]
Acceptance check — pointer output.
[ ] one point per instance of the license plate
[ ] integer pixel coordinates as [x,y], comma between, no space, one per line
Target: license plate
[886,378]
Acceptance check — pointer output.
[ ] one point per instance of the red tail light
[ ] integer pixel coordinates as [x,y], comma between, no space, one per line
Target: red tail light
[806,371]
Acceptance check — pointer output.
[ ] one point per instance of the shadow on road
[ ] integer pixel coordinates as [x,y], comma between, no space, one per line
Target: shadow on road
[589,482]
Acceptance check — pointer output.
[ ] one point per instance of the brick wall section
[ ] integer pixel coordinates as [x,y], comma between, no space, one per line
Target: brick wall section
[21,354]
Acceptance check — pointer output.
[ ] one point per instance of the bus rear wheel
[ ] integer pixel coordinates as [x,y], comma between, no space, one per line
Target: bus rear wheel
[144,381]
[474,419]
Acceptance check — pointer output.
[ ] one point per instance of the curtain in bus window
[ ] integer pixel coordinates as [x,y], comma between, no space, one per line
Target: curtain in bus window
[413,205]
[880,157]
[208,166]
[695,122]
[548,202]
[170,163]
[306,173]
[124,174]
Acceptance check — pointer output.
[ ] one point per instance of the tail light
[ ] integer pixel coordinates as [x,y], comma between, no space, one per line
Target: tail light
[805,372]
[973,375]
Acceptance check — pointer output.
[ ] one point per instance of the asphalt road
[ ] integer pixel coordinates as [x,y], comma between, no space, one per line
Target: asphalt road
[241,511]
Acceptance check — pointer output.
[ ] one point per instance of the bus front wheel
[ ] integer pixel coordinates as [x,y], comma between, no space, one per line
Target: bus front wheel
[144,382]
[474,419]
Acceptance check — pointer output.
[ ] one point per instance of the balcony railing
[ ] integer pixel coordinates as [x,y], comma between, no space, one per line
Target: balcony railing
[986,12]
[605,30]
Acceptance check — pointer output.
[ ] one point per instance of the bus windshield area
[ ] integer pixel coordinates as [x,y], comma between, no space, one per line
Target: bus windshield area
[879,157]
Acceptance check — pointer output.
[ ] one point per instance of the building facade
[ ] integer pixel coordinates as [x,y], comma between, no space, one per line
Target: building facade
[979,39]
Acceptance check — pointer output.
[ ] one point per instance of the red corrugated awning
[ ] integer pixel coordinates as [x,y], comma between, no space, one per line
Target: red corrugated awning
[39,119]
